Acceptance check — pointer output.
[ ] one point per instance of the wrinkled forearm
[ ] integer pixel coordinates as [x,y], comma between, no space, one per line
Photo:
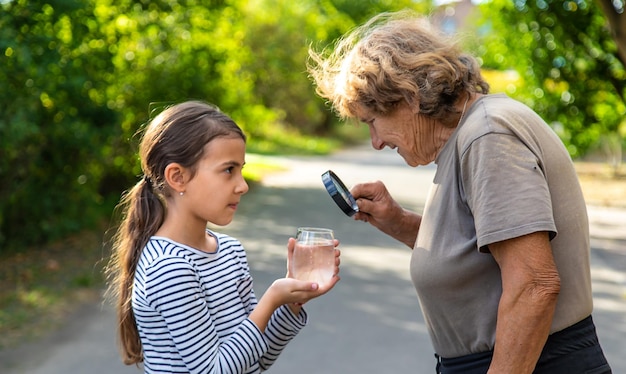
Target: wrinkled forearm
[524,321]
[405,229]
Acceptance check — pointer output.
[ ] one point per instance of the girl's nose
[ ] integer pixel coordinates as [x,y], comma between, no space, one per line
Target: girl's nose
[242,187]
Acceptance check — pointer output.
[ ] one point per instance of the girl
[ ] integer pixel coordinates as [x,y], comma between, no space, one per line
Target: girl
[185,296]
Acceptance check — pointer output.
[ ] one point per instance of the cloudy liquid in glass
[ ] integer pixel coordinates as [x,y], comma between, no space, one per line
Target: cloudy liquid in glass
[314,263]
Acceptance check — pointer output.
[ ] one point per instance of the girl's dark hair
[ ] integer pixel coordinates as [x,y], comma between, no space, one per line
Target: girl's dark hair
[179,134]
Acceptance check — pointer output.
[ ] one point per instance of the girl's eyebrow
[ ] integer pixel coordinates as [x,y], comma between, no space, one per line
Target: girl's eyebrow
[233,163]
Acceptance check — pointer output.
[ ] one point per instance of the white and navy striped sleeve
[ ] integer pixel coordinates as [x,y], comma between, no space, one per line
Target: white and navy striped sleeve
[173,288]
[281,329]
[283,325]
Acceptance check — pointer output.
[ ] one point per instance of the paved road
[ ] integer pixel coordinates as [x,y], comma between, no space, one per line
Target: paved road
[370,322]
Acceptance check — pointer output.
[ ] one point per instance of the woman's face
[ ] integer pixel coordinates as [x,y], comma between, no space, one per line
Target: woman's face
[417,138]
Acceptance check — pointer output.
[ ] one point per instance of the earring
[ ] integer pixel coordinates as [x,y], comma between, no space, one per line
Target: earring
[181,193]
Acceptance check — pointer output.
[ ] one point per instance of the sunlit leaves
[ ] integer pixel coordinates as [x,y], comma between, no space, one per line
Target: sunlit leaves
[79,77]
[565,53]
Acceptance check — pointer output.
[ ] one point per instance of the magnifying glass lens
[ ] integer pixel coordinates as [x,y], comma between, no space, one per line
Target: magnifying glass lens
[339,193]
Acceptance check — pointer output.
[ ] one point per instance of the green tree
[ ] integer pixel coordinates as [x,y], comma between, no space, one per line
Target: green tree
[77,79]
[170,51]
[279,34]
[51,126]
[80,77]
[615,12]
[565,53]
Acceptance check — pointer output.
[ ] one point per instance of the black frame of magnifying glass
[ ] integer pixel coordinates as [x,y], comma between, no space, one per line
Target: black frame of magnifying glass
[334,186]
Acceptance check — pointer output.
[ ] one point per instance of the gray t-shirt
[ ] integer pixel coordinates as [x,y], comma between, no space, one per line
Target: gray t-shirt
[502,174]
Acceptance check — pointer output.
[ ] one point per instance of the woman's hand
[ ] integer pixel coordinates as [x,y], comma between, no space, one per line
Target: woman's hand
[376,205]
[378,208]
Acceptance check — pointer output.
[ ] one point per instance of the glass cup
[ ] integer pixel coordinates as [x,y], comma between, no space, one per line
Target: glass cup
[314,255]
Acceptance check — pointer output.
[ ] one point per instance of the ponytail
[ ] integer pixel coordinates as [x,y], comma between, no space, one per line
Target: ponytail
[143,213]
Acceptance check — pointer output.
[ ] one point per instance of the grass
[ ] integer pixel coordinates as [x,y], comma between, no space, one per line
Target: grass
[257,166]
[39,286]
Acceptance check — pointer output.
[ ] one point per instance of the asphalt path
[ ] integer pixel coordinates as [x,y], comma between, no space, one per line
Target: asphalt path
[371,321]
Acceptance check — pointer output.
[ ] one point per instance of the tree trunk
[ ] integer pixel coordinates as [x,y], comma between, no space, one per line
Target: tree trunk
[617,24]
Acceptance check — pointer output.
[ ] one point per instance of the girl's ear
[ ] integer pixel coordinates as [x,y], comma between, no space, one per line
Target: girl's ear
[175,177]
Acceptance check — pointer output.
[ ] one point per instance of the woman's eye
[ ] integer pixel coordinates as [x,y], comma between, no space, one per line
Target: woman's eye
[229,170]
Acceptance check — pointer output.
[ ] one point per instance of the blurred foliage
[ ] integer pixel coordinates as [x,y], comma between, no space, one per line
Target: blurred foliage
[52,132]
[567,61]
[279,35]
[80,77]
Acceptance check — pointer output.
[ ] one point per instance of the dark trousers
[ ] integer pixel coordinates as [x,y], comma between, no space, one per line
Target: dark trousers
[574,350]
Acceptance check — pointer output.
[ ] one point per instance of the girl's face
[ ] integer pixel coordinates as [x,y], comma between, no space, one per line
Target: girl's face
[214,192]
[417,138]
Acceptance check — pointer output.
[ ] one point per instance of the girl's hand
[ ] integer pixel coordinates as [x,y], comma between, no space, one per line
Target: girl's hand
[294,291]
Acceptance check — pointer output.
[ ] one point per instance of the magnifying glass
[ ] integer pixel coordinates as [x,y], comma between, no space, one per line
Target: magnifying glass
[339,193]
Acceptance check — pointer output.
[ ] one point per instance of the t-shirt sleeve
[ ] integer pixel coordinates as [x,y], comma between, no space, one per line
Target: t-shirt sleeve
[505,188]
[173,289]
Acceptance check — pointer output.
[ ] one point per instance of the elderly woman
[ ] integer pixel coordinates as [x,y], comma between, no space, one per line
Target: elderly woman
[500,255]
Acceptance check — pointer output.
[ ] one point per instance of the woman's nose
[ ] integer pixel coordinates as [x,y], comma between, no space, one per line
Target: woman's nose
[377,143]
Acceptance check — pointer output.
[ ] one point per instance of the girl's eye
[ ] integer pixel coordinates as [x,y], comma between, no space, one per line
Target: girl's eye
[229,170]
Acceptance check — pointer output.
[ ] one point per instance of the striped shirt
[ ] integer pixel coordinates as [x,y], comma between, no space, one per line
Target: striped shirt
[191,309]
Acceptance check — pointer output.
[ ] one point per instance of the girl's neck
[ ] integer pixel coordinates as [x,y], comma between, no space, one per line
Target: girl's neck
[184,233]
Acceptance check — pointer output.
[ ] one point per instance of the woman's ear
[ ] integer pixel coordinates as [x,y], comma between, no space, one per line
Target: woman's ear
[175,177]
[413,104]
